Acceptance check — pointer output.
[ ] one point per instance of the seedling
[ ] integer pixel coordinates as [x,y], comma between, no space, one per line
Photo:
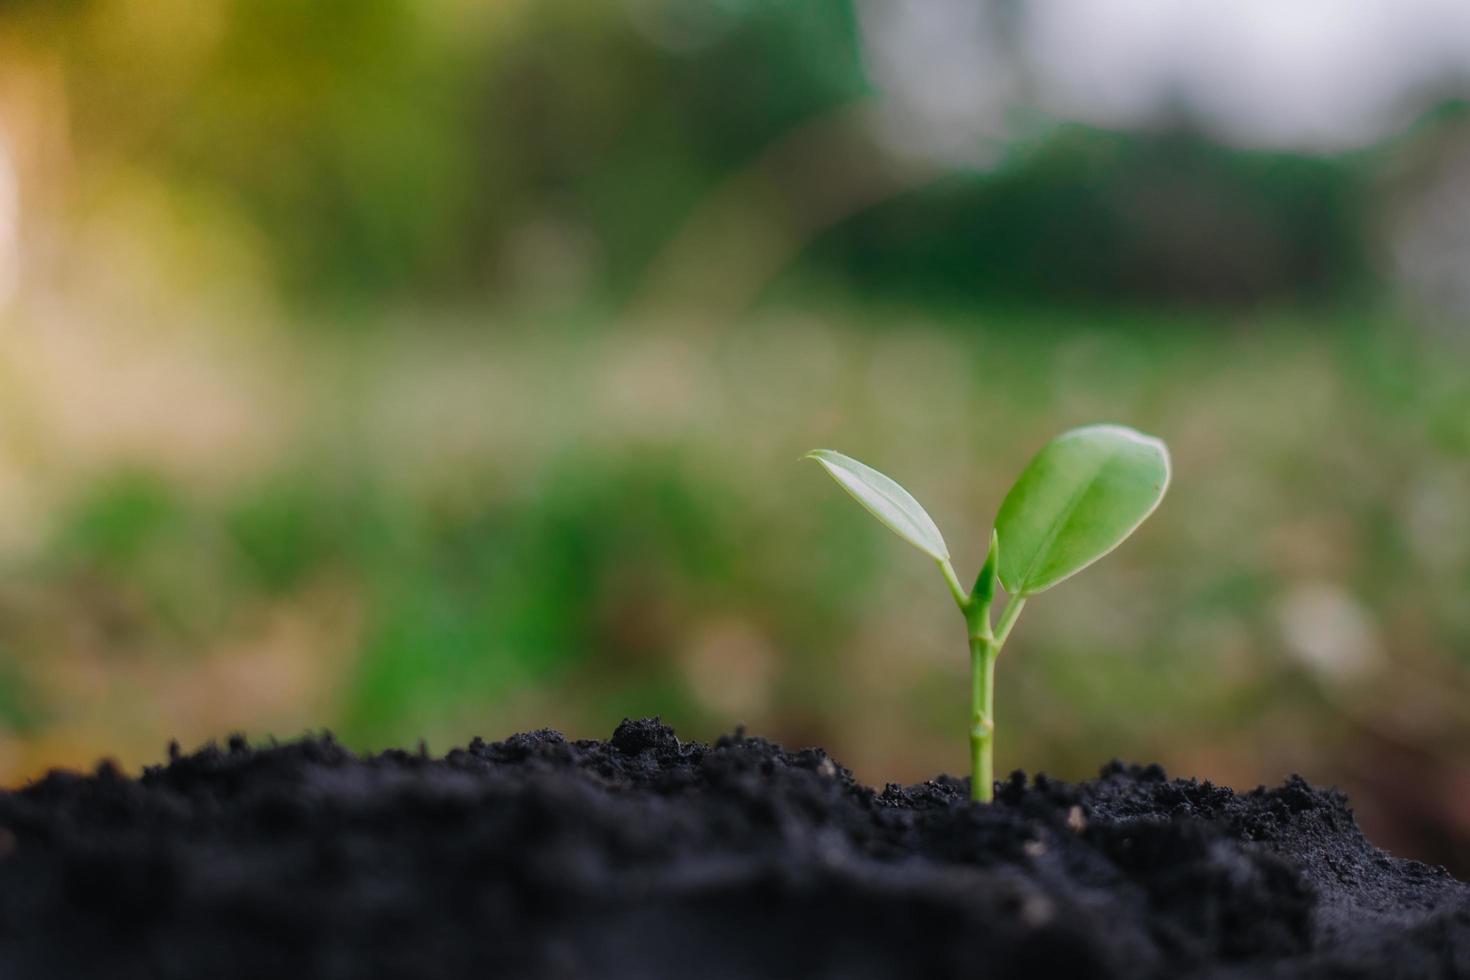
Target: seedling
[1077,499]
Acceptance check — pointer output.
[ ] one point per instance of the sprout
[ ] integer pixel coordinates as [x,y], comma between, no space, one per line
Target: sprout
[1077,499]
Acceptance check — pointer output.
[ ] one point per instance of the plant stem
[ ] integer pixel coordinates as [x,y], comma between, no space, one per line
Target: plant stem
[984,649]
[982,716]
[1008,619]
[985,646]
[961,597]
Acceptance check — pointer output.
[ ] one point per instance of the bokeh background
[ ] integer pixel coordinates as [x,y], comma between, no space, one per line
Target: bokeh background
[424,368]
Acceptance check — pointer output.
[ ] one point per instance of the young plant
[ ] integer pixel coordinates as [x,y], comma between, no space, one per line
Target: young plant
[1077,499]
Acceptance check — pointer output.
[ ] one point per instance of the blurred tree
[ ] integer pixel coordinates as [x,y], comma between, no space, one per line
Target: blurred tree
[1096,217]
[386,149]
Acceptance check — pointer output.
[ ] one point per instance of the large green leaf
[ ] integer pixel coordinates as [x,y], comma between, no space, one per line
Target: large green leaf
[885,500]
[1077,500]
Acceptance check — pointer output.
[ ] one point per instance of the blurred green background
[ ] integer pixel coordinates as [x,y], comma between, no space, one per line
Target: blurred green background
[433,369]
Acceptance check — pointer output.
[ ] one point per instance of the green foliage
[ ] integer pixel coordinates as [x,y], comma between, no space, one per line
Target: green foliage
[472,601]
[885,500]
[1080,496]
[137,538]
[118,520]
[20,710]
[284,530]
[391,149]
[1110,220]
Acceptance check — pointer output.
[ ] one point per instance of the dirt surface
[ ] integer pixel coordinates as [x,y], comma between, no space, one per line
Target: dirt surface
[644,856]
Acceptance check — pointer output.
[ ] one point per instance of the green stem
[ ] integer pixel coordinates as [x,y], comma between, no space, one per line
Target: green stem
[1008,619]
[982,716]
[984,649]
[985,646]
[961,598]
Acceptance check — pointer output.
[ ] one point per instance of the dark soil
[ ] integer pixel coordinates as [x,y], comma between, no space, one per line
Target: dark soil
[644,856]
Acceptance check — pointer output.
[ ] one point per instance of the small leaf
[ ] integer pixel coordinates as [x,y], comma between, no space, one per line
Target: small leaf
[885,500]
[984,591]
[1081,495]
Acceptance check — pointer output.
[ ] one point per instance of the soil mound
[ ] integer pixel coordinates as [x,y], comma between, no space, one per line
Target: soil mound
[644,856]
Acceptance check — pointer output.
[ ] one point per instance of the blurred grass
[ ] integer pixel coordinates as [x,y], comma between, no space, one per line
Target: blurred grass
[544,527]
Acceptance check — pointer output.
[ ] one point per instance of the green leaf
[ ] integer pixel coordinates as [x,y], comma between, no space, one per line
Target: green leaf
[1076,501]
[885,500]
[984,591]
